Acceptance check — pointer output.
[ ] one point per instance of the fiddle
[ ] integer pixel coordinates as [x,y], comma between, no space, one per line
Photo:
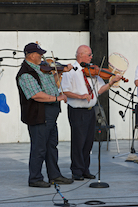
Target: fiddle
[48,65]
[95,70]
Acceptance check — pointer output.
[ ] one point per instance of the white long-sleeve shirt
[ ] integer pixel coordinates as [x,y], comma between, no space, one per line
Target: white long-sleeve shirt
[73,81]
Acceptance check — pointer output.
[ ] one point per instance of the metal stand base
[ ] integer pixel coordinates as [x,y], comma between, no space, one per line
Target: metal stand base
[94,202]
[132,151]
[99,185]
[62,204]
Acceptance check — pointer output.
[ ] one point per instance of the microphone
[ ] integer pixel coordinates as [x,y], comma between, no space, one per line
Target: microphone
[58,191]
[122,115]
[85,64]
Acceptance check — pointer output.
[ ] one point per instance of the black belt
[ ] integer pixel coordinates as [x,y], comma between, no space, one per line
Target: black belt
[85,108]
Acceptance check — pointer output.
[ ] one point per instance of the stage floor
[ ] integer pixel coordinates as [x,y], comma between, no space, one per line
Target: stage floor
[121,176]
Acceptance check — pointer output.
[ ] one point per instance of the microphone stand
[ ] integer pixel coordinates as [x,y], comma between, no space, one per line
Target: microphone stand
[64,199]
[133,128]
[98,184]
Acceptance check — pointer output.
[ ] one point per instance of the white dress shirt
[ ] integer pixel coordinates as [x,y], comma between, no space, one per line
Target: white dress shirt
[73,81]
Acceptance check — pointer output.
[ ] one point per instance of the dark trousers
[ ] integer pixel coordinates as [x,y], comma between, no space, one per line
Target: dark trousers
[82,122]
[44,141]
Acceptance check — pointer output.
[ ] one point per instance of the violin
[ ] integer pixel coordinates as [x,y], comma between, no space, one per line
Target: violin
[95,70]
[48,65]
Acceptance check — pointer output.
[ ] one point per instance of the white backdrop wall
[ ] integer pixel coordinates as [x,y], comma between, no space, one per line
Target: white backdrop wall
[125,43]
[63,45]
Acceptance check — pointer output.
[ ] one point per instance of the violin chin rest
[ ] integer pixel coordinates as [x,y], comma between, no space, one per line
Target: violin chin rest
[44,63]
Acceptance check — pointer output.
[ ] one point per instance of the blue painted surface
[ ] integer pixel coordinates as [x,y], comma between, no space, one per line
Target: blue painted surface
[3,105]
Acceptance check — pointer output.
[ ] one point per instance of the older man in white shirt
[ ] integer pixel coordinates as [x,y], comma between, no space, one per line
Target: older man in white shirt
[81,113]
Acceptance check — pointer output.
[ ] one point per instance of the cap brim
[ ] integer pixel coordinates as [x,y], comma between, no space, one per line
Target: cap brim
[41,52]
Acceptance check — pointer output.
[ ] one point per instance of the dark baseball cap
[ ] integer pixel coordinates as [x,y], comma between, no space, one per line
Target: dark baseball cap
[33,47]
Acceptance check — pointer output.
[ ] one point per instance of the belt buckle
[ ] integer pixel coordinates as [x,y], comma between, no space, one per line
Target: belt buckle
[90,108]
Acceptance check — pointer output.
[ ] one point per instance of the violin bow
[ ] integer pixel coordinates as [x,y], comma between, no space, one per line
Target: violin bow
[54,65]
[44,58]
[57,72]
[100,108]
[99,70]
[101,64]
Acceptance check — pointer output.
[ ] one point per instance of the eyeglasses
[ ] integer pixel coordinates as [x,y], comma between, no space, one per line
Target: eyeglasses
[90,55]
[85,53]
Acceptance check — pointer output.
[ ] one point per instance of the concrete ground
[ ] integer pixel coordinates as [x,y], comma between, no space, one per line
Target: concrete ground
[121,176]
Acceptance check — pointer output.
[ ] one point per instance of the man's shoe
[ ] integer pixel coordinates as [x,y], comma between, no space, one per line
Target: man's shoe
[77,177]
[89,176]
[40,184]
[61,180]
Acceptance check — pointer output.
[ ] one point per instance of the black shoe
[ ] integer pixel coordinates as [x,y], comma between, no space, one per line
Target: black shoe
[89,176]
[61,180]
[40,184]
[77,177]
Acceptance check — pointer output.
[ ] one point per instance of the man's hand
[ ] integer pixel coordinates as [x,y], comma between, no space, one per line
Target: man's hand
[108,85]
[116,78]
[67,68]
[62,97]
[136,83]
[86,96]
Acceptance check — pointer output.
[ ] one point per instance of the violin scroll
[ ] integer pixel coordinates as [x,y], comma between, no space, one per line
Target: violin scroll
[124,79]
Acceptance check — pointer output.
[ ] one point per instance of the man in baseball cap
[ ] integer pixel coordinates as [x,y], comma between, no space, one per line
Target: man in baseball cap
[40,107]
[33,47]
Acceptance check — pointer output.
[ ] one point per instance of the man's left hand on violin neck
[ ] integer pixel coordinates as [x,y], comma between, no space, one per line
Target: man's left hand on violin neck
[67,68]
[116,78]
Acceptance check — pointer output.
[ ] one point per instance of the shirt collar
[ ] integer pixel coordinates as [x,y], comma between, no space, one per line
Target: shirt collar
[32,65]
[76,64]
